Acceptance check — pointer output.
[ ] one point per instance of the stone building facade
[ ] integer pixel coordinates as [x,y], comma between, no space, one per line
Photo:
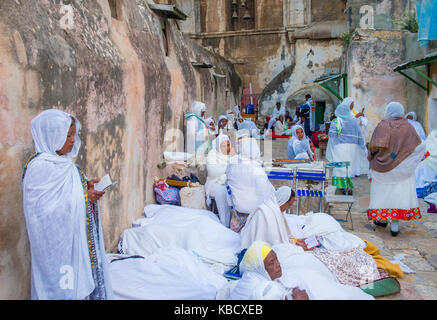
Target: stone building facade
[127,73]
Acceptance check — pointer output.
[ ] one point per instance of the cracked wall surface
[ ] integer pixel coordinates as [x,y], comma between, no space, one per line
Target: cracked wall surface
[112,73]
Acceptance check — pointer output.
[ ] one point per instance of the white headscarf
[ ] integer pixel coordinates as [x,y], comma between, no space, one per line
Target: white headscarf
[256,283]
[249,149]
[222,117]
[253,259]
[394,110]
[218,142]
[49,132]
[298,149]
[343,111]
[55,211]
[413,114]
[197,108]
[282,195]
[348,101]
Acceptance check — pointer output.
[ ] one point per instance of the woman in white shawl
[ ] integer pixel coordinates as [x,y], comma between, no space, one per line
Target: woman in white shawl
[299,145]
[62,216]
[345,142]
[247,179]
[197,132]
[341,252]
[286,272]
[363,122]
[426,174]
[412,119]
[216,164]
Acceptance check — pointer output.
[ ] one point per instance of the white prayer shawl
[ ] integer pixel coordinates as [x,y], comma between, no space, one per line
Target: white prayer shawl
[276,113]
[299,270]
[195,230]
[216,164]
[431,147]
[167,274]
[329,232]
[246,176]
[196,131]
[267,224]
[299,149]
[280,129]
[397,187]
[55,212]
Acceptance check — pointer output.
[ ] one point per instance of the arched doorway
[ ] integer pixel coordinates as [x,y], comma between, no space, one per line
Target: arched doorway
[325,101]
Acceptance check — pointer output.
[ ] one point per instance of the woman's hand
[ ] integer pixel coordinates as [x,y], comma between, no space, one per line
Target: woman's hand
[232,153]
[94,195]
[298,294]
[301,242]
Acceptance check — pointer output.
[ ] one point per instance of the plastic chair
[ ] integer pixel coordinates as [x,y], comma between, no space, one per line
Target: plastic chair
[309,175]
[347,199]
[281,175]
[342,164]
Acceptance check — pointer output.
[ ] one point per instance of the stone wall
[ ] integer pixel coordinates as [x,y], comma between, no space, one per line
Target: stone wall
[111,71]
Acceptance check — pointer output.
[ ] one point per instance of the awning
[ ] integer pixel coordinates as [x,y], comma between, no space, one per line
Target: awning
[413,65]
[325,80]
[168,11]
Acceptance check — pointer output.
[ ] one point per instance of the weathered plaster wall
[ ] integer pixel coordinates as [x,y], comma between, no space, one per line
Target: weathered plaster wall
[313,59]
[372,57]
[113,74]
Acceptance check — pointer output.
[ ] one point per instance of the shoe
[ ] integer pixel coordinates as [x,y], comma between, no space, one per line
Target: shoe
[380,224]
[394,233]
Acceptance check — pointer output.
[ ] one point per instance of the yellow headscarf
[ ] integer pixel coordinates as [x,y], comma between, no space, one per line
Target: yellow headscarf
[265,250]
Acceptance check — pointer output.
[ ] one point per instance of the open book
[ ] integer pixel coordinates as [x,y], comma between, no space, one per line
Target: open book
[105,184]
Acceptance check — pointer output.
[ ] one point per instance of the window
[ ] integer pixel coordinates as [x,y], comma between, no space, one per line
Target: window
[114,5]
[242,14]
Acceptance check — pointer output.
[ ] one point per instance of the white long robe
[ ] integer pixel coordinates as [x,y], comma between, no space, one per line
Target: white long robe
[55,212]
[215,188]
[167,274]
[195,230]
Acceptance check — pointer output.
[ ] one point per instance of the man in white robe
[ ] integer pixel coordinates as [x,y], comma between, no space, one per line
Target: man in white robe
[277,111]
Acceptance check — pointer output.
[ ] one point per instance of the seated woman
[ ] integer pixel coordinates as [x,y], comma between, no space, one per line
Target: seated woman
[62,216]
[281,127]
[222,125]
[216,164]
[342,252]
[270,275]
[299,146]
[247,179]
[345,142]
[426,174]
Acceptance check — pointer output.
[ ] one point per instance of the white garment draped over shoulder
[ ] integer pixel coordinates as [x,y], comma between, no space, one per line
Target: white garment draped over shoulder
[400,181]
[167,274]
[247,179]
[195,230]
[55,211]
[267,224]
[299,270]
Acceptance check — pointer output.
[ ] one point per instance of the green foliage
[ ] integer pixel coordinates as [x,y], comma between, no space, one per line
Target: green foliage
[409,22]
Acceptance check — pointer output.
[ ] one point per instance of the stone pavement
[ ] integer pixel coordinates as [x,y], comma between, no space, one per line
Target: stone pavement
[417,240]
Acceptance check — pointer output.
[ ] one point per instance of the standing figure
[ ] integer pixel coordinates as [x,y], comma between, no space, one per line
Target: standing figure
[394,153]
[197,134]
[68,259]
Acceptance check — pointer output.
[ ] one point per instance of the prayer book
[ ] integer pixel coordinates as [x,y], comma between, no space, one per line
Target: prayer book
[105,184]
[311,242]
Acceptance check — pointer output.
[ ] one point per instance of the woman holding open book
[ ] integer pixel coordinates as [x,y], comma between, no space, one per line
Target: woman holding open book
[62,216]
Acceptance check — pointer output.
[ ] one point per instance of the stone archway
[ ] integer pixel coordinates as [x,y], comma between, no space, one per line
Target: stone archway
[318,93]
